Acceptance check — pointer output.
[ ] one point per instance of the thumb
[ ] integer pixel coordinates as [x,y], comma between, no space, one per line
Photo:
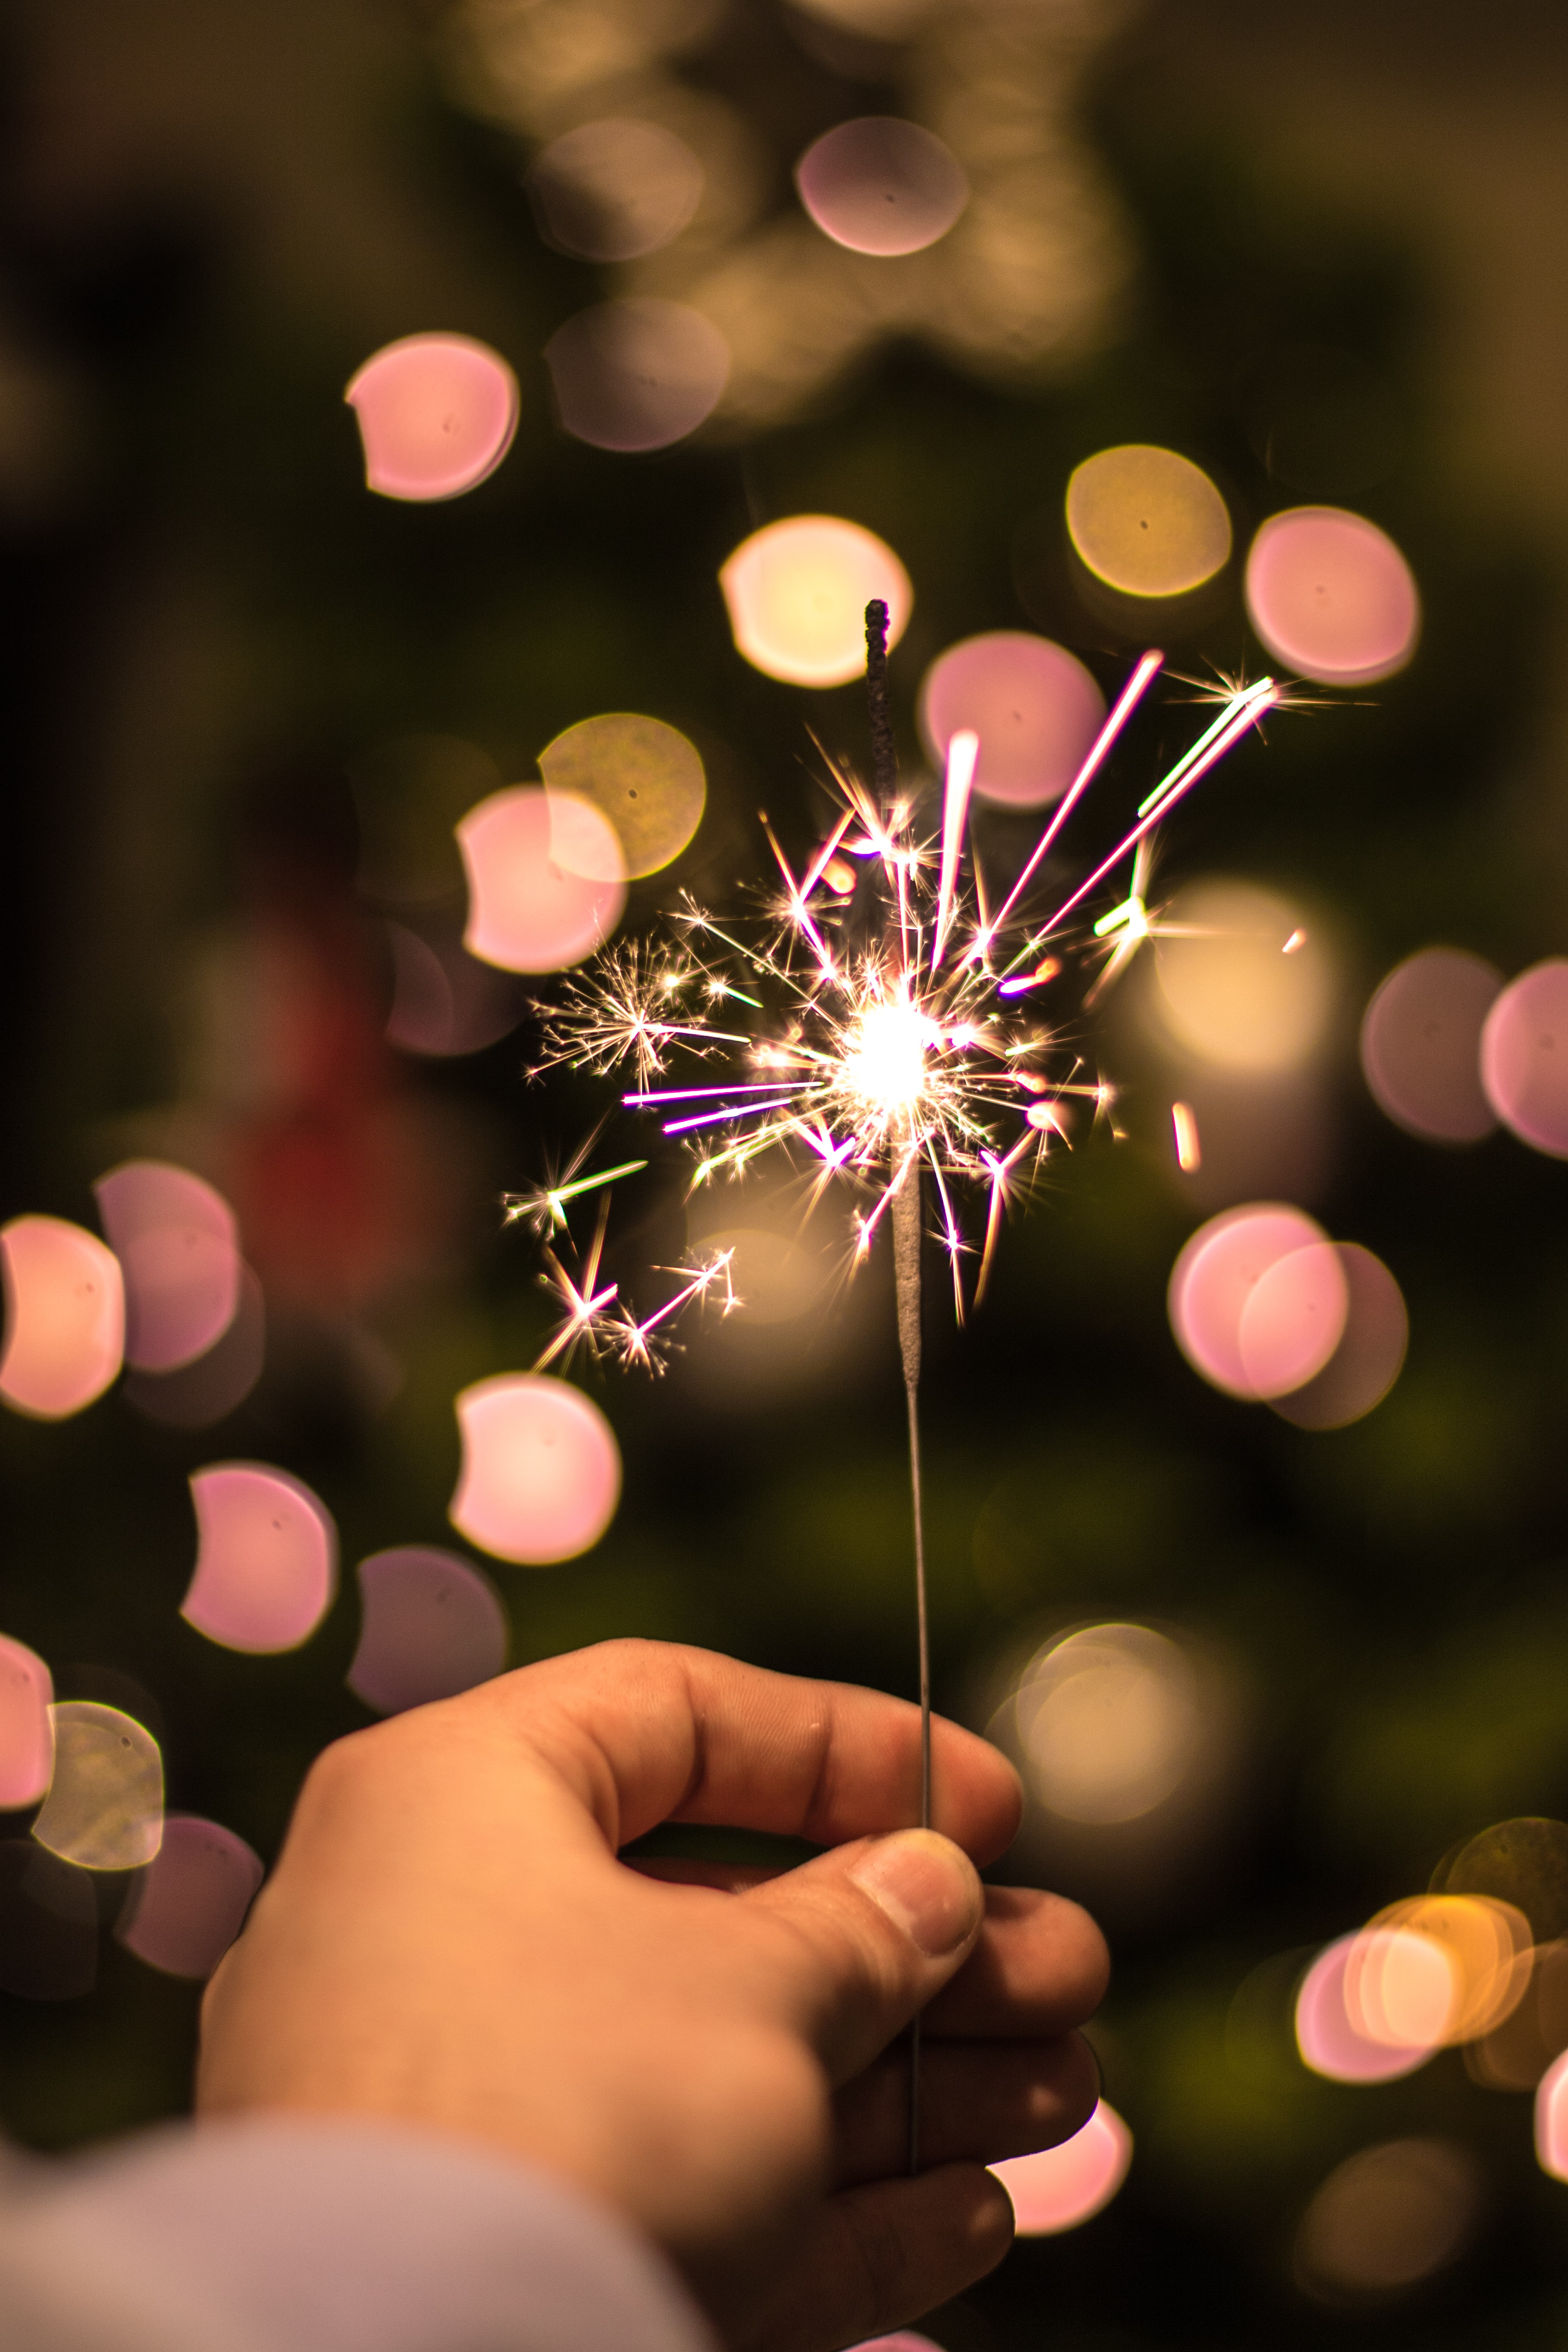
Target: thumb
[879,1927]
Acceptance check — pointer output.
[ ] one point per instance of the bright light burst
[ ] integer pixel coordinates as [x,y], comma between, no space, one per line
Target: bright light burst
[878,1022]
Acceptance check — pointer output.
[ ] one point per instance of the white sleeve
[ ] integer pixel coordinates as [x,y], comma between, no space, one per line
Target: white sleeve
[276,2234]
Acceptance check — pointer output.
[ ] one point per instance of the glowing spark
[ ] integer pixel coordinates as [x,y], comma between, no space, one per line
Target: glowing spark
[545,1206]
[1297,939]
[885,1040]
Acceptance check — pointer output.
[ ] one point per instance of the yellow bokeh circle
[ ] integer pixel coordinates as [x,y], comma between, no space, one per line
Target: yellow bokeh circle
[1147,521]
[644,776]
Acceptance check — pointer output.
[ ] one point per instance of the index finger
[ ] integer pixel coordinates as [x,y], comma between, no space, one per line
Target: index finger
[648,1731]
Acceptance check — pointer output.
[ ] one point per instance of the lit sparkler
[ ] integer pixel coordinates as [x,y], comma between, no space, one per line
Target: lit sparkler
[881,1027]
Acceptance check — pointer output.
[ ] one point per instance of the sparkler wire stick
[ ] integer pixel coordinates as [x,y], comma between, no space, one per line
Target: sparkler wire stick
[908,1205]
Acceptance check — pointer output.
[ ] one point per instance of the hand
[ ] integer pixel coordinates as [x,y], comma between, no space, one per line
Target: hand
[448,1940]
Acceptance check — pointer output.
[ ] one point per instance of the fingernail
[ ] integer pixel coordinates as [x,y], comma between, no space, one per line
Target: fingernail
[926,1886]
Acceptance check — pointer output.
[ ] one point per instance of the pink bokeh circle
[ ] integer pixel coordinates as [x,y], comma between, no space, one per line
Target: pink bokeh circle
[1212,1281]
[1293,1319]
[266,1558]
[1551,2119]
[537,863]
[27,1726]
[881,185]
[64,1317]
[1059,2187]
[1034,706]
[178,1245]
[541,1470]
[1420,1044]
[437,414]
[1330,595]
[1525,1056]
[1370,1351]
[185,1910]
[636,374]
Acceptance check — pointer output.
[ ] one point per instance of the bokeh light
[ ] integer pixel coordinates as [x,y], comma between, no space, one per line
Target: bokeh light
[1552,2120]
[541,1470]
[104,1809]
[433,1625]
[445,1002]
[533,859]
[881,185]
[1516,2053]
[1333,2042]
[1147,521]
[636,374]
[266,1562]
[612,190]
[1034,706]
[1330,595]
[1439,1967]
[437,414]
[1525,1056]
[796,594]
[196,1395]
[178,1245]
[1420,1044]
[1214,1276]
[27,1726]
[1370,1351]
[645,778]
[64,1317]
[1228,990]
[185,1910]
[1059,2187]
[48,1925]
[1386,2219]
[1293,1319]
[1109,1722]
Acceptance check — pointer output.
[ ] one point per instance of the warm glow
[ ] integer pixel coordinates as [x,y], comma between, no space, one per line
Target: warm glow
[1109,1723]
[1059,2187]
[433,1625]
[1033,705]
[186,1909]
[537,901]
[1438,1967]
[266,1562]
[1525,1056]
[105,1806]
[1334,2043]
[27,1727]
[881,185]
[437,414]
[1147,521]
[541,1470]
[1386,2219]
[636,374]
[1332,596]
[1212,1281]
[1420,1044]
[1228,992]
[64,1317]
[178,1245]
[796,592]
[884,1060]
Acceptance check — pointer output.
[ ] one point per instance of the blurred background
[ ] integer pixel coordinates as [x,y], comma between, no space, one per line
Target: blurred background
[1274,1653]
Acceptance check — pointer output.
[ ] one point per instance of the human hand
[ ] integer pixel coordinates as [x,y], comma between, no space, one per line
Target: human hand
[450,1942]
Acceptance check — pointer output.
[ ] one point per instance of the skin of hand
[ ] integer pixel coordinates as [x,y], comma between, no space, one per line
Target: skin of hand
[450,1942]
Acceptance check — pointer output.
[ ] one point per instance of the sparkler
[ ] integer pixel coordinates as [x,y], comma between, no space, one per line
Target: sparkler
[881,1027]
